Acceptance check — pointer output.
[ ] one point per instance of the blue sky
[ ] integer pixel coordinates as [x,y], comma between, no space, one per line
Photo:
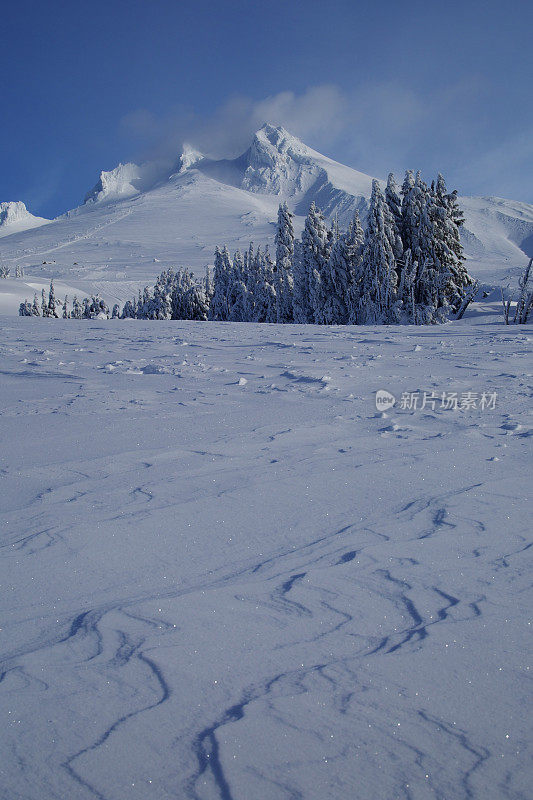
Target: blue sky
[440,86]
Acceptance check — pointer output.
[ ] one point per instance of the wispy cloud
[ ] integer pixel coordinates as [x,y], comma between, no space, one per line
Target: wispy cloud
[318,113]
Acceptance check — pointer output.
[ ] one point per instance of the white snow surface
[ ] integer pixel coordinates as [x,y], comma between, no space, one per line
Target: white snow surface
[137,221]
[225,575]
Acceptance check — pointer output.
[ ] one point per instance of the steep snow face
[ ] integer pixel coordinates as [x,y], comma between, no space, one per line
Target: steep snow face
[280,164]
[117,184]
[15,217]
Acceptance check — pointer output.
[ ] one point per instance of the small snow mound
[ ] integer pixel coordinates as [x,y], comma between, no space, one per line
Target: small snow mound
[153,369]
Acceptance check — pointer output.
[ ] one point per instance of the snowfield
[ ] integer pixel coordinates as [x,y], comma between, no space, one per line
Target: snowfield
[226,576]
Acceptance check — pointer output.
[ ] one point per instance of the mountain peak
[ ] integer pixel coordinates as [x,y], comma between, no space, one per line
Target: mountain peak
[275,137]
[14,217]
[189,158]
[278,163]
[119,183]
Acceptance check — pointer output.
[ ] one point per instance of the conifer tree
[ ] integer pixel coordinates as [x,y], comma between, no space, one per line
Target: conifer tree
[128,312]
[410,214]
[309,260]
[378,298]
[355,243]
[342,270]
[238,293]
[269,278]
[52,301]
[208,284]
[25,309]
[219,303]
[394,203]
[77,311]
[448,219]
[284,281]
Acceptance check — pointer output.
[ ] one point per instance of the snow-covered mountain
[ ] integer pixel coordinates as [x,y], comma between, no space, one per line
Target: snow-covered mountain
[15,217]
[138,220]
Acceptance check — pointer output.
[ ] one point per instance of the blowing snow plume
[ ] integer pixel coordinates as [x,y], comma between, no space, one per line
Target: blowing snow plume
[316,116]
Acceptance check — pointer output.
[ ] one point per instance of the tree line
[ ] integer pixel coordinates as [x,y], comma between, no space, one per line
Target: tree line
[407,266]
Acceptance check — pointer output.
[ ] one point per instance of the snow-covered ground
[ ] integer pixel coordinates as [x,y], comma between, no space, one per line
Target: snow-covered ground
[225,575]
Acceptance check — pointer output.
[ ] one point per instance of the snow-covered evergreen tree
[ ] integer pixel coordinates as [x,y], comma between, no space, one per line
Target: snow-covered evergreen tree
[448,251]
[270,288]
[115,314]
[44,304]
[161,302]
[25,309]
[410,218]
[208,285]
[128,312]
[66,314]
[394,203]
[221,280]
[52,301]
[35,311]
[238,293]
[93,308]
[257,300]
[194,303]
[406,289]
[342,270]
[284,281]
[309,259]
[189,300]
[378,296]
[261,293]
[355,243]
[77,311]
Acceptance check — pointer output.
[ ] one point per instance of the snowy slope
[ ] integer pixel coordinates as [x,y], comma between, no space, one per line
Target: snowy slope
[15,217]
[225,575]
[498,233]
[136,221]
